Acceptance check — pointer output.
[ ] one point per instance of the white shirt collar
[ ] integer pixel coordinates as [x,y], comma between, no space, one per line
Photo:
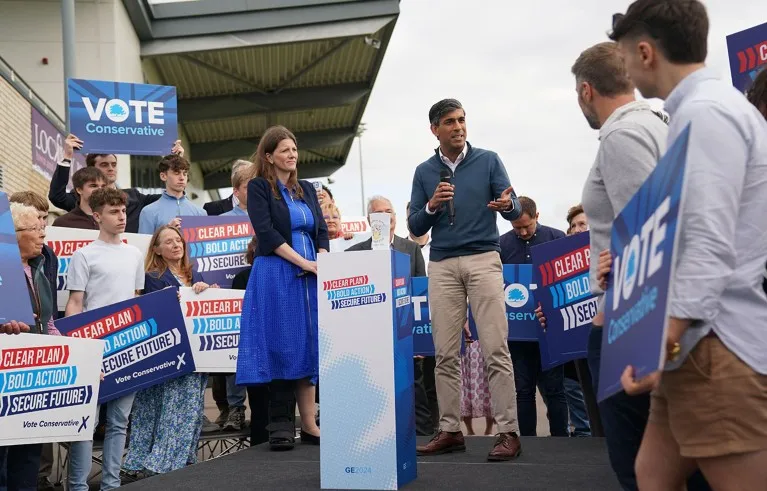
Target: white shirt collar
[458,159]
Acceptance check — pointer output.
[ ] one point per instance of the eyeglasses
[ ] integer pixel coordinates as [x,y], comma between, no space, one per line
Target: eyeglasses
[39,229]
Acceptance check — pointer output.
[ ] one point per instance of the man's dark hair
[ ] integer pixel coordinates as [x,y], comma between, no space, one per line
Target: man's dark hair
[173,162]
[106,197]
[438,110]
[90,159]
[573,212]
[602,66]
[528,206]
[327,190]
[679,27]
[86,175]
[757,92]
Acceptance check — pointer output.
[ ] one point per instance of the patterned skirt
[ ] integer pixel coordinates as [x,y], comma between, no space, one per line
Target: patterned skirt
[475,396]
[165,425]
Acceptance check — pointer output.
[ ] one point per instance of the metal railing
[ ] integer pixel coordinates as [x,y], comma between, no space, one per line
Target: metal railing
[13,78]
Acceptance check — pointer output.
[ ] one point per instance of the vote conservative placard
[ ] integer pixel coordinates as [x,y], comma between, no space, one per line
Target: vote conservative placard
[48,388]
[518,288]
[423,344]
[217,247]
[562,272]
[213,325]
[145,341]
[65,241]
[14,295]
[123,118]
[747,51]
[643,246]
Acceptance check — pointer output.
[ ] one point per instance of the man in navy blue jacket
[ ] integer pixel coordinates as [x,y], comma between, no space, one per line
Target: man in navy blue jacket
[515,249]
[465,262]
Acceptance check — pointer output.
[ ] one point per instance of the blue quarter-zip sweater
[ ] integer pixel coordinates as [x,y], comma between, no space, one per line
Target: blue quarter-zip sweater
[164,210]
[479,179]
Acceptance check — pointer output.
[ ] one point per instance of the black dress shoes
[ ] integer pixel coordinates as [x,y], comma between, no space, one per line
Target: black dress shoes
[309,438]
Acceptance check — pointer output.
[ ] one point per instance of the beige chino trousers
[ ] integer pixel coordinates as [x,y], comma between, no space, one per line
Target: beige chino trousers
[480,278]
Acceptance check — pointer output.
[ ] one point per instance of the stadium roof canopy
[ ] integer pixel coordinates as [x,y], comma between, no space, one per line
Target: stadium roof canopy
[240,66]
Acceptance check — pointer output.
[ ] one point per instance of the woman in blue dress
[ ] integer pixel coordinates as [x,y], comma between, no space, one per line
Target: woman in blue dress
[278,333]
[166,419]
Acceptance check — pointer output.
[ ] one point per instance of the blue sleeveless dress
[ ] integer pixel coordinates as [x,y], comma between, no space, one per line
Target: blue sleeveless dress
[278,329]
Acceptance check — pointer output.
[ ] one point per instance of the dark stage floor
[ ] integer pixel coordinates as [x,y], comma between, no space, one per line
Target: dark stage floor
[546,463]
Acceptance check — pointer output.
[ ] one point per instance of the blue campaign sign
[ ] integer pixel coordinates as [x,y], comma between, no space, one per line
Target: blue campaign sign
[747,51]
[217,247]
[14,296]
[518,284]
[423,344]
[562,273]
[127,118]
[146,342]
[643,246]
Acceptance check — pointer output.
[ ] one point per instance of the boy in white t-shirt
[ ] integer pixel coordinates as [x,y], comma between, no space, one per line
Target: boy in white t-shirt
[105,272]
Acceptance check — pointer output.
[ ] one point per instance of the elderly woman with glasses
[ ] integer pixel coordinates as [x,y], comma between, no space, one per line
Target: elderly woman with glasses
[30,234]
[19,463]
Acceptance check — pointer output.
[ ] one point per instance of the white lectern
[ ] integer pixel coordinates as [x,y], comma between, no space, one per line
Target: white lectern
[366,370]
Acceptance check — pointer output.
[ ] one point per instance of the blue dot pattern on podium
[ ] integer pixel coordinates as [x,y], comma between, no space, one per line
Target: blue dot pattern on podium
[368,436]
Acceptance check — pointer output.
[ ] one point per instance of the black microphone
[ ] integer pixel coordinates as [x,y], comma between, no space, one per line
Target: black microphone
[445,176]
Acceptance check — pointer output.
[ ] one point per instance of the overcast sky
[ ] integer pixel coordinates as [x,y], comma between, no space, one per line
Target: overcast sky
[508,62]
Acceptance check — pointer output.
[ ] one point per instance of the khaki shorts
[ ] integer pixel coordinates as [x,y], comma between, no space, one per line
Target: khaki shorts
[714,404]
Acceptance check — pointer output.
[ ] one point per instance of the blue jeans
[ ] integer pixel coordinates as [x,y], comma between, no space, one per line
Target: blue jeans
[577,408]
[81,453]
[526,357]
[624,419]
[235,395]
[18,467]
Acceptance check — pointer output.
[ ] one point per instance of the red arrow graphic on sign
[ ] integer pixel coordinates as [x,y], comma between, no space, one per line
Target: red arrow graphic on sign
[743,62]
[751,58]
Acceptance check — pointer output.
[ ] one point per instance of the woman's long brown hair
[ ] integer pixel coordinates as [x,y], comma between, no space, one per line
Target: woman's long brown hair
[263,168]
[155,263]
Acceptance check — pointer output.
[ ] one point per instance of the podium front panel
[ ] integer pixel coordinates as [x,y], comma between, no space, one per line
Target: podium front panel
[366,371]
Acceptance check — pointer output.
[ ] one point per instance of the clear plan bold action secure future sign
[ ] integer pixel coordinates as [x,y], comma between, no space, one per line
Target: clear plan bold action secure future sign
[145,341]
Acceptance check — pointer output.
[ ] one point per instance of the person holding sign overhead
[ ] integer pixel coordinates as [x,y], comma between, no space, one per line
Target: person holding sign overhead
[456,193]
[106,163]
[166,419]
[85,181]
[278,333]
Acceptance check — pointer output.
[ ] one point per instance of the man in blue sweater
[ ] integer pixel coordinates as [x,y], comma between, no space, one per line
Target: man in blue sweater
[465,262]
[515,249]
